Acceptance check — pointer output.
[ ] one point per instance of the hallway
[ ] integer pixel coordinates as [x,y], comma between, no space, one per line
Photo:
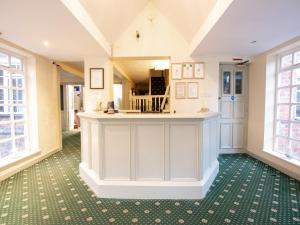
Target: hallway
[246,191]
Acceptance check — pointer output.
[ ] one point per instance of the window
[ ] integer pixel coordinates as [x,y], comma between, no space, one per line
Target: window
[287,113]
[13,135]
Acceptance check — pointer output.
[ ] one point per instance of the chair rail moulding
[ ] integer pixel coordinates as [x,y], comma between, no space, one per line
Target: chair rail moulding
[149,156]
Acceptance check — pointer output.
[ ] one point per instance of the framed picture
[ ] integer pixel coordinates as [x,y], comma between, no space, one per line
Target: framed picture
[199,70]
[188,70]
[179,90]
[96,78]
[192,90]
[176,71]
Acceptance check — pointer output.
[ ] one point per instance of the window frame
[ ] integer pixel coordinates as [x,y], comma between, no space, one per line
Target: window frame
[13,122]
[290,104]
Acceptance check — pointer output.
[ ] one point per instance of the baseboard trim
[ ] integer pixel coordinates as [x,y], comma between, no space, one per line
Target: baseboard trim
[274,164]
[14,168]
[231,151]
[149,189]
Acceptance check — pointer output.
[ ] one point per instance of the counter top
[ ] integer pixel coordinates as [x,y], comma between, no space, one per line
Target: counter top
[101,115]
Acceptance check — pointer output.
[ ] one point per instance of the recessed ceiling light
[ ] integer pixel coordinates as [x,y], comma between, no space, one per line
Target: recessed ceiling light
[252,42]
[46,43]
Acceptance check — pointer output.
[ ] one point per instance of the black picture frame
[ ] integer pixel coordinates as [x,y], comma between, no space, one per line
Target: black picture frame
[100,80]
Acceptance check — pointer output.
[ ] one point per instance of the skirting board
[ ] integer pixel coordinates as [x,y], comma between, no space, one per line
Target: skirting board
[275,165]
[231,151]
[149,189]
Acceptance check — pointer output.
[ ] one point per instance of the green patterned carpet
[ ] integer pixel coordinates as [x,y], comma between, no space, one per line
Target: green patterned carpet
[246,191]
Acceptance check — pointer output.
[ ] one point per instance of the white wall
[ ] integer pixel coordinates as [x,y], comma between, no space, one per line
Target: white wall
[93,96]
[160,38]
[260,111]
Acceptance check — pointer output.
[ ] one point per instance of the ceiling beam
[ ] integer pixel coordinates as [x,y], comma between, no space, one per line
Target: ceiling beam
[79,12]
[122,72]
[71,69]
[215,14]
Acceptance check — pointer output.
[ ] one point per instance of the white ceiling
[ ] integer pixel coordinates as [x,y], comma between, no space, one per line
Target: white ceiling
[29,23]
[113,16]
[137,70]
[187,16]
[269,22]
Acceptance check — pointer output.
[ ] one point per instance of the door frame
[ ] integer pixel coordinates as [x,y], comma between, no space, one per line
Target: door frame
[244,97]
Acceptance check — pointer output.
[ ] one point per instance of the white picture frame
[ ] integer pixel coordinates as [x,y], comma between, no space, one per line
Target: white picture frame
[180,90]
[188,70]
[199,70]
[176,71]
[192,89]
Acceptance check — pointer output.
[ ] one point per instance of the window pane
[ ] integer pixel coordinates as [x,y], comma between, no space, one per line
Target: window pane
[226,83]
[295,131]
[5,149]
[5,131]
[4,113]
[297,57]
[16,63]
[282,145]
[4,78]
[296,76]
[295,112]
[283,95]
[18,96]
[3,59]
[286,61]
[17,80]
[296,149]
[284,79]
[19,129]
[282,129]
[18,112]
[296,95]
[20,144]
[238,82]
[4,96]
[283,112]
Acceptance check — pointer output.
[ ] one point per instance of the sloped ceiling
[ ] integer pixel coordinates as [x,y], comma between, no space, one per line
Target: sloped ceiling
[29,23]
[113,16]
[137,70]
[187,16]
[268,22]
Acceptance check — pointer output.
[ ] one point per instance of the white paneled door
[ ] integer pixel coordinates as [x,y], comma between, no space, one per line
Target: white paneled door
[233,103]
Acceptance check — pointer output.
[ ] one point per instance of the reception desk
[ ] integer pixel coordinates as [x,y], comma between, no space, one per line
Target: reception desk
[149,156]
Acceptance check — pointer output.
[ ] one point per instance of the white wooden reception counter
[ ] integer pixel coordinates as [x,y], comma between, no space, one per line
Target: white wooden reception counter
[157,156]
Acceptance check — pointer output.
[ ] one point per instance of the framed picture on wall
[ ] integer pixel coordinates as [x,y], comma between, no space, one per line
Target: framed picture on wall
[176,71]
[192,90]
[188,70]
[199,70]
[96,78]
[179,90]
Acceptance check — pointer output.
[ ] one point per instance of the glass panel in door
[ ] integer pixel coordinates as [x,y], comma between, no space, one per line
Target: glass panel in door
[238,83]
[226,83]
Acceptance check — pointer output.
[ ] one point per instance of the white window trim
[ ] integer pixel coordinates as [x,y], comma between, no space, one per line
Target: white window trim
[19,155]
[274,152]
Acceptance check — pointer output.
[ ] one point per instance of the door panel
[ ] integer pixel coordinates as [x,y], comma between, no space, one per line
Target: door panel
[239,109]
[226,109]
[238,135]
[226,136]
